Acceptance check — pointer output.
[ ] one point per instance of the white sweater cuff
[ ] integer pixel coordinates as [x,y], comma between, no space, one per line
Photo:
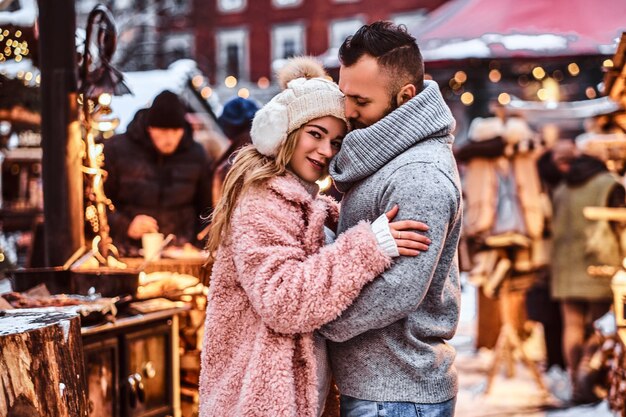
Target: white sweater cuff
[381,230]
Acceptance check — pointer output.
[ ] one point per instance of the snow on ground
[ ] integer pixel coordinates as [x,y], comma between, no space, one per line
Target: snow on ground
[517,396]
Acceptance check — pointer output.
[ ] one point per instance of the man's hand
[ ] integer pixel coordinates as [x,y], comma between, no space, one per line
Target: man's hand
[142,224]
[409,243]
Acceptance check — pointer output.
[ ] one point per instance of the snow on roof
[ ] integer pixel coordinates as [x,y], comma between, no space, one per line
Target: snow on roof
[12,69]
[145,85]
[482,47]
[25,16]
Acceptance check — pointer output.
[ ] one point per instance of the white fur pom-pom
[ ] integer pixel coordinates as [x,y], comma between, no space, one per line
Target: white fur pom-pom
[299,67]
[269,128]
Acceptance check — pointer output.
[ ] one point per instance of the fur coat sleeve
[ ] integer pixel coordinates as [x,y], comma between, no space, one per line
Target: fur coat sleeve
[294,283]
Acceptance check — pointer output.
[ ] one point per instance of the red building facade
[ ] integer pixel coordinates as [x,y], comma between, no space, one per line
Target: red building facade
[243,38]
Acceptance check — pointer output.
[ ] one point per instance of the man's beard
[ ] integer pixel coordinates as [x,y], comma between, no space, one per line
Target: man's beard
[393,104]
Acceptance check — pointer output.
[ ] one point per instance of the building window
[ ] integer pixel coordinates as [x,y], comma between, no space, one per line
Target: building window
[231,6]
[177,7]
[178,46]
[341,29]
[287,41]
[232,53]
[286,3]
[410,20]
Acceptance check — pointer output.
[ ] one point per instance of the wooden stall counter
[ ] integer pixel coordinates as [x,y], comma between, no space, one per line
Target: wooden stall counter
[133,365]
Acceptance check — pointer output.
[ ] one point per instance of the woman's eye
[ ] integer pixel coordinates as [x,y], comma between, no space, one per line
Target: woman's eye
[315,134]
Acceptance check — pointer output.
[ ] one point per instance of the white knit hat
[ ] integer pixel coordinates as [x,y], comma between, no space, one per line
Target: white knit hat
[306,95]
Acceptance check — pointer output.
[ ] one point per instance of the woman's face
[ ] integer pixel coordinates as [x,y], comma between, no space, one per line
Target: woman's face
[317,142]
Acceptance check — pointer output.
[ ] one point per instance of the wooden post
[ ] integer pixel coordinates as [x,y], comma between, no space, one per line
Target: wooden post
[61,137]
[41,366]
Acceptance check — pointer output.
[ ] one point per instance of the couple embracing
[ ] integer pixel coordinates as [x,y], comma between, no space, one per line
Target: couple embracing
[370,294]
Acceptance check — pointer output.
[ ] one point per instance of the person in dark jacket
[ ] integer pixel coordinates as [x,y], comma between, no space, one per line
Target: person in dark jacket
[159,178]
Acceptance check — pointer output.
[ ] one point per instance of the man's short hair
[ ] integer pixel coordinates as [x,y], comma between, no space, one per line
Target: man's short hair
[394,48]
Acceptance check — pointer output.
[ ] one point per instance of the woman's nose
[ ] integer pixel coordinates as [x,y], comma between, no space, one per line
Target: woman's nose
[325,148]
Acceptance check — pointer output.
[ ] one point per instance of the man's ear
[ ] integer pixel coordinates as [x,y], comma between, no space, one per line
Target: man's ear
[406,93]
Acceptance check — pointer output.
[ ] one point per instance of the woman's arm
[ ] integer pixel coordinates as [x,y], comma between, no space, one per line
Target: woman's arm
[294,292]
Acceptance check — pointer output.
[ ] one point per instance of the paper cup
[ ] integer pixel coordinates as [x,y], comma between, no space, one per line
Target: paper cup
[151,243]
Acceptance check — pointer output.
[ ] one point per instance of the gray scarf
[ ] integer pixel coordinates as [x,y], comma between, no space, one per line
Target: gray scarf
[365,151]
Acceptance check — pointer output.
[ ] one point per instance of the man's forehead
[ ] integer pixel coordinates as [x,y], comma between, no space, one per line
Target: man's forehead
[359,79]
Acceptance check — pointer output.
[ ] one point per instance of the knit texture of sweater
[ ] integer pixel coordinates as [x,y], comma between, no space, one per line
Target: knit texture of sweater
[391,344]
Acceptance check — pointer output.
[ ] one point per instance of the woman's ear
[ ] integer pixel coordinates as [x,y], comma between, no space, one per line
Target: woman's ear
[406,93]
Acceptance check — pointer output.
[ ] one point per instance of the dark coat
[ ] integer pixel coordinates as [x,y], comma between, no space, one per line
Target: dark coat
[174,189]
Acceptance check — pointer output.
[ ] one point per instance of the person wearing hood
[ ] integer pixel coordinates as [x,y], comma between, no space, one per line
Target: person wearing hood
[579,243]
[389,350]
[158,177]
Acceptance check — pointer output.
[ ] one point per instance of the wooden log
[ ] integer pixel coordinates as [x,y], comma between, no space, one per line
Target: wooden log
[41,365]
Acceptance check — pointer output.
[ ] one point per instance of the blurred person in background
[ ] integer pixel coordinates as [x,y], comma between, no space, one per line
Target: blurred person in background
[580,243]
[235,121]
[158,177]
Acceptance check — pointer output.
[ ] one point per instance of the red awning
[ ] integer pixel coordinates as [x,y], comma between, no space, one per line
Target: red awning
[462,29]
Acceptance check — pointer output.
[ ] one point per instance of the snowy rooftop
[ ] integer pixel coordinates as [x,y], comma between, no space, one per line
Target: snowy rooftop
[25,16]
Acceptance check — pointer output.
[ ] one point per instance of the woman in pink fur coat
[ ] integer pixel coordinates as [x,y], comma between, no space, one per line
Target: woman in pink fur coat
[274,282]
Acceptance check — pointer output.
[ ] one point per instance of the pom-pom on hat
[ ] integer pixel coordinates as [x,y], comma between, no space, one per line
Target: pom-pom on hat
[307,95]
[166,112]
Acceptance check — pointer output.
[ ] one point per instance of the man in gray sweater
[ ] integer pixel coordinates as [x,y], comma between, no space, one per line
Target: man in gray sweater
[389,350]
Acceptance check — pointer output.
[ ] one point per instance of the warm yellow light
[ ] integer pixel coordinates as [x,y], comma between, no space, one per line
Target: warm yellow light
[2,257]
[206,92]
[10,42]
[28,76]
[324,184]
[608,63]
[17,51]
[460,77]
[542,94]
[230,81]
[495,75]
[263,83]
[552,90]
[197,81]
[573,69]
[105,99]
[20,75]
[18,33]
[7,51]
[538,73]
[38,79]
[5,33]
[467,98]
[591,92]
[243,93]
[504,98]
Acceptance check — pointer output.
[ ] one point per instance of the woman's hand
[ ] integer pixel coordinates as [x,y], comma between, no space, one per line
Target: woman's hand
[409,243]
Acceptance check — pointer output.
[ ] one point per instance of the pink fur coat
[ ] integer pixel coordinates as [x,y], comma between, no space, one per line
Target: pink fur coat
[273,283]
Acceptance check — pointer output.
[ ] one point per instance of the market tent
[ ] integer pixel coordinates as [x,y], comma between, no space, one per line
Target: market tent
[462,29]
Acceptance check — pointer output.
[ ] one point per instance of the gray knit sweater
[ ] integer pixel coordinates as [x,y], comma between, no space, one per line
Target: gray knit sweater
[390,345]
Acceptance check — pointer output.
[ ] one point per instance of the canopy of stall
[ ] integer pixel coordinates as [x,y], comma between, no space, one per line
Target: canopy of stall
[462,29]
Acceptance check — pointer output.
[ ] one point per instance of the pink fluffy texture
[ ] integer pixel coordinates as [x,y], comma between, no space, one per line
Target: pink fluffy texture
[273,283]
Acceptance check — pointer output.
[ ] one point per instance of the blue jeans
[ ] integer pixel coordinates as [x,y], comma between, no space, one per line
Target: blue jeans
[353,407]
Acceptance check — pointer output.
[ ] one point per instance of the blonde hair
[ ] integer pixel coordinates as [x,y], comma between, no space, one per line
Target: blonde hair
[249,168]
